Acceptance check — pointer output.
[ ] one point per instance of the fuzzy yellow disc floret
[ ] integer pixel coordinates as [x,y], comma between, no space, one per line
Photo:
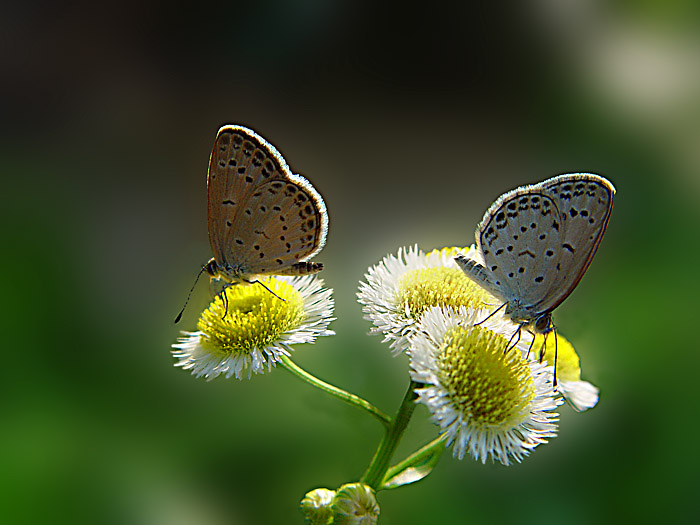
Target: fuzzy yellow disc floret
[439,286]
[494,387]
[251,316]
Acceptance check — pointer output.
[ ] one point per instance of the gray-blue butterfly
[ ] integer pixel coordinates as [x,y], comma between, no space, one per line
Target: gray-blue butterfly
[537,241]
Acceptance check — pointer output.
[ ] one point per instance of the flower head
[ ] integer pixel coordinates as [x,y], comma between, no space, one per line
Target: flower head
[317,506]
[355,504]
[488,401]
[253,327]
[403,286]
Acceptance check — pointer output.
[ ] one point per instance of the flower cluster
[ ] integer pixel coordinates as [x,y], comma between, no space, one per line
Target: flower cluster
[491,395]
[487,382]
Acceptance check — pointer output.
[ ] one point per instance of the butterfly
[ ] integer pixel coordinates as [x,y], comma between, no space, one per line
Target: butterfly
[537,241]
[262,218]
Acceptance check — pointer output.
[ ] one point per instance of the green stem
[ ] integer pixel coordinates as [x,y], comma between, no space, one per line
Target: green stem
[380,462]
[417,457]
[336,392]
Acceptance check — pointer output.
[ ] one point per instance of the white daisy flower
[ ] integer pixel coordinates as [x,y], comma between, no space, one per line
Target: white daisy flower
[489,402]
[254,328]
[403,286]
[581,395]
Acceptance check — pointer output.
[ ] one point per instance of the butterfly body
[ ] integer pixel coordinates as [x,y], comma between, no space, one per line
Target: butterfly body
[239,274]
[263,219]
[537,241]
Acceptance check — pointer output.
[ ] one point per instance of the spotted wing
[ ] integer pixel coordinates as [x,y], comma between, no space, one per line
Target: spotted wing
[585,203]
[518,239]
[262,218]
[281,224]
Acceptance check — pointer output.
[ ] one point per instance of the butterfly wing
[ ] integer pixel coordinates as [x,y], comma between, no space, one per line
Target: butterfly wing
[240,161]
[585,202]
[517,238]
[262,218]
[284,222]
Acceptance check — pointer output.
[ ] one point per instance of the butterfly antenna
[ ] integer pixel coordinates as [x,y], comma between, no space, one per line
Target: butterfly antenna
[543,351]
[554,329]
[179,316]
[490,315]
[543,348]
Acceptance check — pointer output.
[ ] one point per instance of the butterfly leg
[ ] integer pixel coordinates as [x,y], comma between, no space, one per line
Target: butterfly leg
[224,298]
[490,315]
[529,348]
[263,285]
[509,346]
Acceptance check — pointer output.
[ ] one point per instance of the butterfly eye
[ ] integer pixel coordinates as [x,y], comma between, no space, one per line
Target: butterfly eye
[211,268]
[543,323]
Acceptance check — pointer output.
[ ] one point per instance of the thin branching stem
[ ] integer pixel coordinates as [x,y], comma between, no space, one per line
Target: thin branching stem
[379,465]
[336,392]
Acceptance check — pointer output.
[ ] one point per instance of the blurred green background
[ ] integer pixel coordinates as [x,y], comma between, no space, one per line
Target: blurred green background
[409,122]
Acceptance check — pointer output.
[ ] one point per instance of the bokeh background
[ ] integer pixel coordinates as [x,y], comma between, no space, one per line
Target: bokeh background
[409,121]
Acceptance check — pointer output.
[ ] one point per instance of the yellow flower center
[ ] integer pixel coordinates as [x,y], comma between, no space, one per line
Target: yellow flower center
[251,316]
[492,388]
[439,286]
